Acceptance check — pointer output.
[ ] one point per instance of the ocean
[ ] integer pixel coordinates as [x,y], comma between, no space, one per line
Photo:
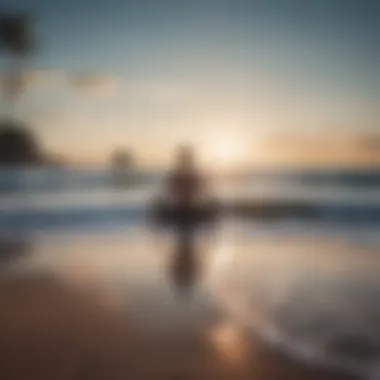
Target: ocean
[45,198]
[308,285]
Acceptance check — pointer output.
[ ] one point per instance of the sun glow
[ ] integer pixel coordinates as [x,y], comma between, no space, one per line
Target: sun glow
[226,151]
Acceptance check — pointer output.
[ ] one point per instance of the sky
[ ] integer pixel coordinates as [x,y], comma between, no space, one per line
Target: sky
[224,75]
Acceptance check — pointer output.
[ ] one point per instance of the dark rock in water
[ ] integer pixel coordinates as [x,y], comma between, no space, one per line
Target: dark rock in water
[354,347]
[18,146]
[272,210]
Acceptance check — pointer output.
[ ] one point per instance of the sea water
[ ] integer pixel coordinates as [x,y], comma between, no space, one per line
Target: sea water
[310,287]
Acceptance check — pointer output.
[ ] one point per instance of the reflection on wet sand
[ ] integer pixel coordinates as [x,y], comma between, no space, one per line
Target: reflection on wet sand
[57,321]
[52,331]
[184,264]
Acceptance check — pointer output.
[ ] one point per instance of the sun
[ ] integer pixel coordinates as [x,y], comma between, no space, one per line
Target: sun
[225,151]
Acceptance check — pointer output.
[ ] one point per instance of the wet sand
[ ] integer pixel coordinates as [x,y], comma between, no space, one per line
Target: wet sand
[110,308]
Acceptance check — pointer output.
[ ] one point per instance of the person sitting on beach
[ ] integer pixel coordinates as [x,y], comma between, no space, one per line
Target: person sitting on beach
[185,185]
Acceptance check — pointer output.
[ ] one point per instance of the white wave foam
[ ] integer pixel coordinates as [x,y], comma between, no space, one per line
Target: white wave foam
[316,299]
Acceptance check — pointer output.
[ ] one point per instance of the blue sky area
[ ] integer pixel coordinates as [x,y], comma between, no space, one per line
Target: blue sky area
[161,72]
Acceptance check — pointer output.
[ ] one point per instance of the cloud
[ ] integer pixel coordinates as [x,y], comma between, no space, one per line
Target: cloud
[94,84]
[14,84]
[163,92]
[43,77]
[348,149]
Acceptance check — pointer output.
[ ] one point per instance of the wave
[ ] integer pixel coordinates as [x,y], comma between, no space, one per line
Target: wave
[48,180]
[68,179]
[70,217]
[300,298]
[137,212]
[307,210]
[359,178]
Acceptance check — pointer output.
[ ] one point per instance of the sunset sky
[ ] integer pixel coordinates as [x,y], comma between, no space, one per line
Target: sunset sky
[225,75]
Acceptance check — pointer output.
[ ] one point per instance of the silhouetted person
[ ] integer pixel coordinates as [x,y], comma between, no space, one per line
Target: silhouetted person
[186,203]
[185,184]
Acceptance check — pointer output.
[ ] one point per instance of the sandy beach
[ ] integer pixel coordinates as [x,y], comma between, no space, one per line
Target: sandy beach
[108,307]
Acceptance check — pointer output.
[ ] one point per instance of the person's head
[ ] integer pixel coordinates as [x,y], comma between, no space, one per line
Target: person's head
[185,157]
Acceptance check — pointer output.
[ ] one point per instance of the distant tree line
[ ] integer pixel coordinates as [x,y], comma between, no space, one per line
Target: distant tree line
[18,145]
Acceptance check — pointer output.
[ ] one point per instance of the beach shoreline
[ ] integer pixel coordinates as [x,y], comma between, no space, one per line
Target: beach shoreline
[51,330]
[106,307]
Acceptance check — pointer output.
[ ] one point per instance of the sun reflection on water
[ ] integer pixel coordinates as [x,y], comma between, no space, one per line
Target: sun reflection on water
[228,341]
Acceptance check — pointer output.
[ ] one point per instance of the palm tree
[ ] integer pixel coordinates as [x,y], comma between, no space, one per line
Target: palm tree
[16,40]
